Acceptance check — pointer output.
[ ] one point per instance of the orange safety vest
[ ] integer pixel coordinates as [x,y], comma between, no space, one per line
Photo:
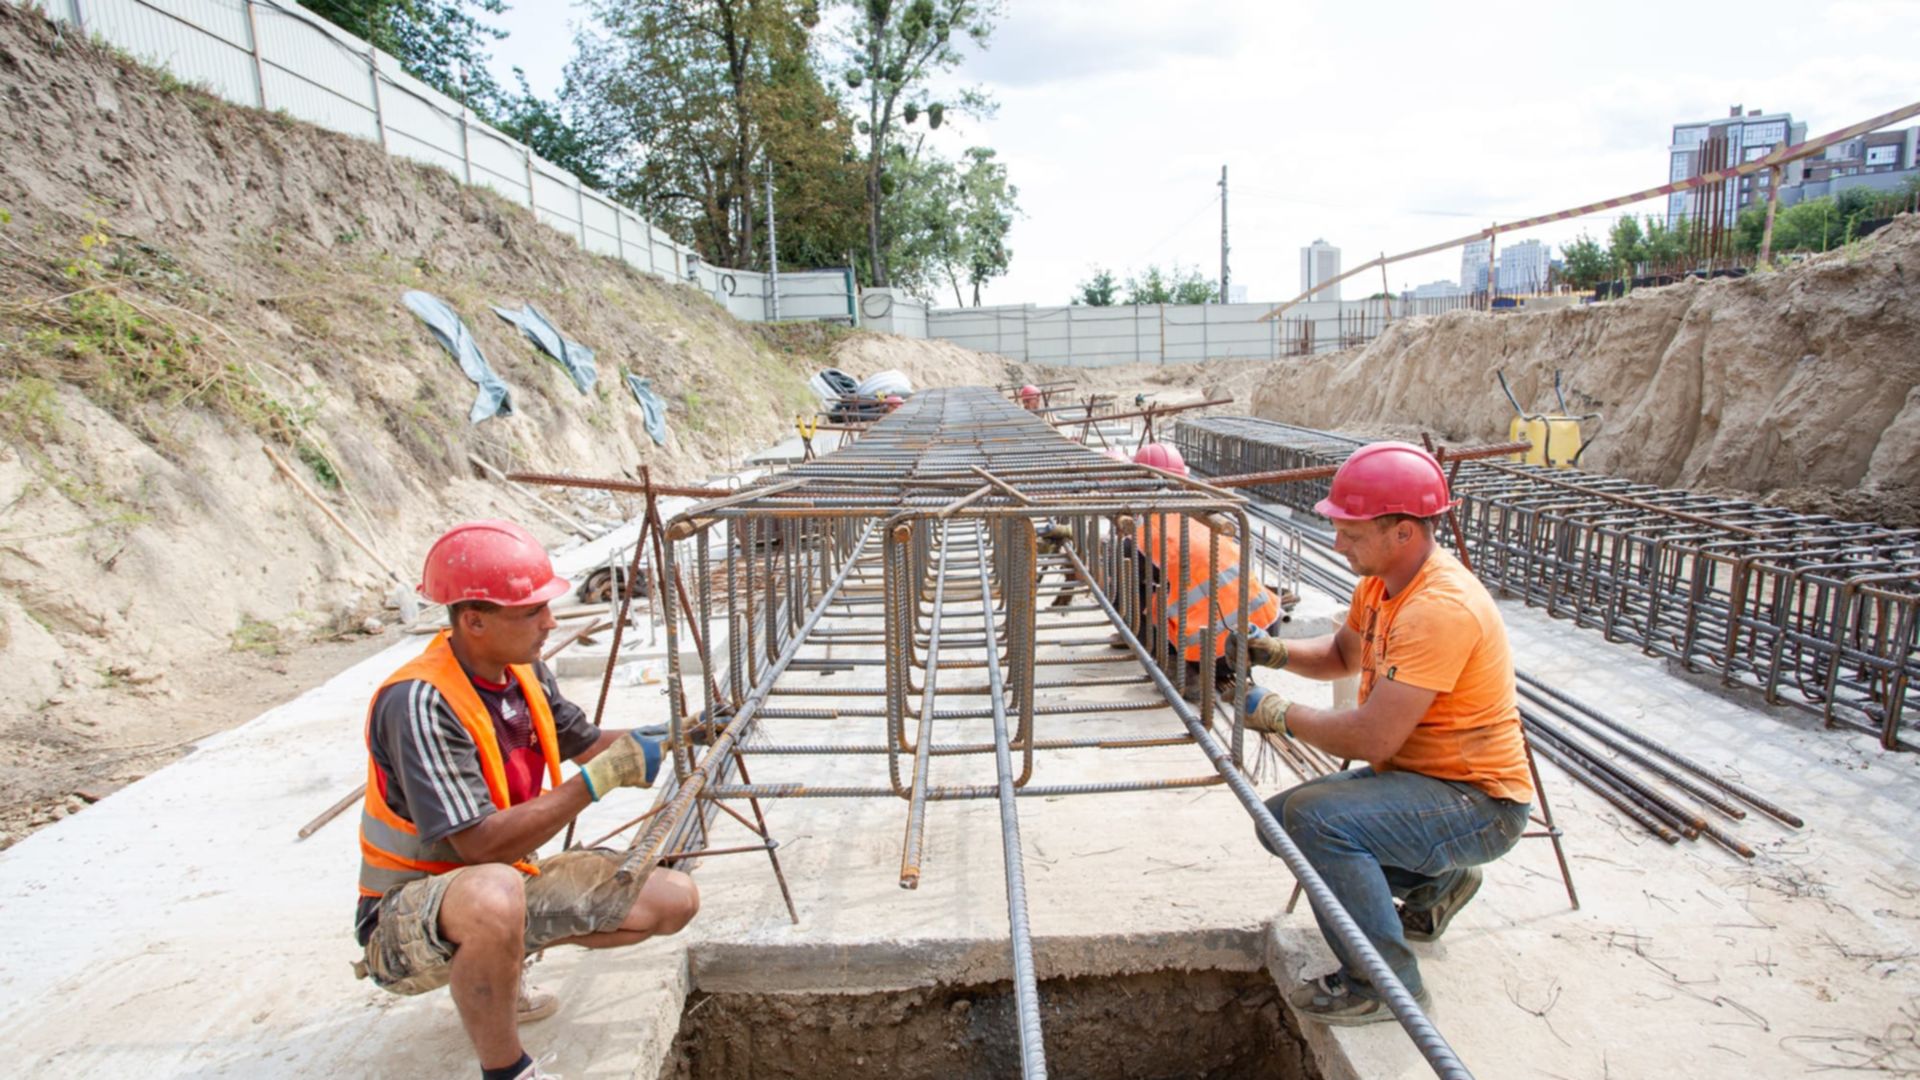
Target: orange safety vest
[1192,594]
[391,852]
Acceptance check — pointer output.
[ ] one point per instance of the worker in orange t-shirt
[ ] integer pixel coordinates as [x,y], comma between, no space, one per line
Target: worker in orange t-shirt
[1446,785]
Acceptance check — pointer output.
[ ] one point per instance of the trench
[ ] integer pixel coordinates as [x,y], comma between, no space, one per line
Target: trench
[1195,1025]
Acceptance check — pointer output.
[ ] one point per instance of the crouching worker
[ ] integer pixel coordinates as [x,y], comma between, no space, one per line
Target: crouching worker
[460,742]
[1446,786]
[1156,547]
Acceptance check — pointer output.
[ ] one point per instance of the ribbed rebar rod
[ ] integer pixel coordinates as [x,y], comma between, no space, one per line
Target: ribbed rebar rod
[1426,1038]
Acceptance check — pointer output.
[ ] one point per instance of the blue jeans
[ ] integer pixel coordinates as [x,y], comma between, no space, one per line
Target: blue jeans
[1377,836]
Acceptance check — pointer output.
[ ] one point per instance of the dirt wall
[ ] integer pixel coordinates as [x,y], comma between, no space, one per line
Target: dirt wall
[1796,386]
[183,282]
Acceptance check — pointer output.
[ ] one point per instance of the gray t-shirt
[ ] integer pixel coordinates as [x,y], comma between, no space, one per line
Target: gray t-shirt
[432,765]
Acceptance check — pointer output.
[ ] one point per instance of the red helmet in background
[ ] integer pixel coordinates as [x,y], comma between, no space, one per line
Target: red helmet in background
[493,561]
[1387,478]
[1029,394]
[1161,456]
[894,401]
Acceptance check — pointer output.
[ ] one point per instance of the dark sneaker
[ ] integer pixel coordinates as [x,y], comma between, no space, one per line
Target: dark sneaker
[1331,999]
[1429,924]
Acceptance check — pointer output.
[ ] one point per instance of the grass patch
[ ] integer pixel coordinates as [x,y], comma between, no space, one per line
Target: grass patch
[259,638]
[30,410]
[139,358]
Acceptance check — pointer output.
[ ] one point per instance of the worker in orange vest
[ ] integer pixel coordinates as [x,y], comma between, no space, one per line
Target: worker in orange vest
[1445,786]
[1158,538]
[460,743]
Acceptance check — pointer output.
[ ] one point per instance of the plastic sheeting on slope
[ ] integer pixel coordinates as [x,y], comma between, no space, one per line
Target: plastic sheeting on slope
[576,358]
[493,398]
[651,407]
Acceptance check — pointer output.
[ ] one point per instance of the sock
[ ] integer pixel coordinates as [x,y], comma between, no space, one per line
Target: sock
[509,1072]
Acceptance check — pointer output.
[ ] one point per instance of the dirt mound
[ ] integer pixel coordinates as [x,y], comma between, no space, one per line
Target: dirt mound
[186,282]
[1798,387]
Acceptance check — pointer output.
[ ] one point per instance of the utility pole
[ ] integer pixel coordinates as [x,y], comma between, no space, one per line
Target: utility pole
[1223,234]
[773,245]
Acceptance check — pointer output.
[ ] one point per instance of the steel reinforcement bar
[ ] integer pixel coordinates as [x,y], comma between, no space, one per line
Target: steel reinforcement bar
[962,549]
[1816,613]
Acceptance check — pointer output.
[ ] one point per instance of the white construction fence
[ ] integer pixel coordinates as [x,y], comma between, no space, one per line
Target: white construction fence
[273,55]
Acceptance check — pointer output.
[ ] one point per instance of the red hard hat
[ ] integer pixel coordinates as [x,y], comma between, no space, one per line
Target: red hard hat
[1387,478]
[1029,392]
[1161,456]
[894,401]
[495,561]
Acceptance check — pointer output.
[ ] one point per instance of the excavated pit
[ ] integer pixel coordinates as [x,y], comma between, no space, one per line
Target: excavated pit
[1216,1025]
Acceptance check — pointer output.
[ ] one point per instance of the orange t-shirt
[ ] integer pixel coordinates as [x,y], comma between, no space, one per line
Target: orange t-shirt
[1443,633]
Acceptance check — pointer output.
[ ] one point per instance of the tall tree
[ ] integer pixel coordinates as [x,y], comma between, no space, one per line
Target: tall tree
[443,43]
[1625,245]
[550,129]
[895,48]
[692,97]
[1586,262]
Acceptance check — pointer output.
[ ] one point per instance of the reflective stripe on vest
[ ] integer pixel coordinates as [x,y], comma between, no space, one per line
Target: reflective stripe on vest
[1201,584]
[391,851]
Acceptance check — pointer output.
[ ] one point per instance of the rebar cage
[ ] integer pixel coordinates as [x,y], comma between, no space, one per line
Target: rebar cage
[932,598]
[1816,613]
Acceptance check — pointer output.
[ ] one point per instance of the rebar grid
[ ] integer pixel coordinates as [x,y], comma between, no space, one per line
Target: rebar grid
[1813,612]
[950,524]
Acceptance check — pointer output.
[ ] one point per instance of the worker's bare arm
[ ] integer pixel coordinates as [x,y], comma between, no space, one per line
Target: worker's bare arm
[1334,656]
[516,832]
[1375,731]
[605,740]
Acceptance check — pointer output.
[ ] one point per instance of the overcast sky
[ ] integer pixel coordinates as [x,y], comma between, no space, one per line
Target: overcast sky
[1381,126]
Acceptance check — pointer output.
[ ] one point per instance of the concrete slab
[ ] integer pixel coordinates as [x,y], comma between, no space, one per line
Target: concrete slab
[177,929]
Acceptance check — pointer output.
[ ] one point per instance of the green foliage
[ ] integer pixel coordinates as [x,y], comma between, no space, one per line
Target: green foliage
[132,356]
[893,53]
[1587,264]
[1664,246]
[1098,290]
[30,409]
[1821,224]
[443,43]
[1171,286]
[261,638]
[687,102]
[1625,244]
[552,130]
[949,222]
[321,465]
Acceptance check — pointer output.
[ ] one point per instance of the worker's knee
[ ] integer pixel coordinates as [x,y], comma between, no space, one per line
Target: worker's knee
[485,904]
[1277,807]
[672,899]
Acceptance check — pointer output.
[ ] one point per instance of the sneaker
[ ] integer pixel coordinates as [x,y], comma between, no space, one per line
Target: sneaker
[533,1006]
[1429,924]
[533,1071]
[1331,999]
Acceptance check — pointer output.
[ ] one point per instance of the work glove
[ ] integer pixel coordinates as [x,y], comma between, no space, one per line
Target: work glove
[1262,651]
[1267,711]
[694,731]
[632,761]
[1055,535]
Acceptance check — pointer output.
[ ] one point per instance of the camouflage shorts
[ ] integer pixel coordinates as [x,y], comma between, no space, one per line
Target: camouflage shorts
[573,894]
